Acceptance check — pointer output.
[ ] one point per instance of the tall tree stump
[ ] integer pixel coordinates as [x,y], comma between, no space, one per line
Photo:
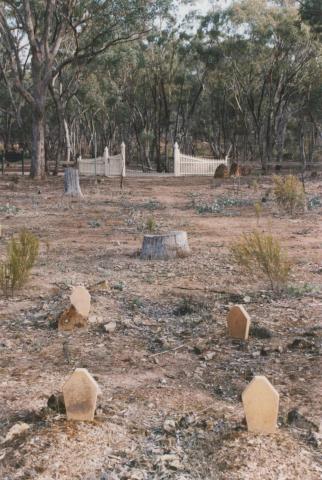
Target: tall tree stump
[71,182]
[162,247]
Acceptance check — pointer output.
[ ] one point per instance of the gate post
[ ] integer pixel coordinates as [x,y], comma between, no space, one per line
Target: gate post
[176,159]
[123,159]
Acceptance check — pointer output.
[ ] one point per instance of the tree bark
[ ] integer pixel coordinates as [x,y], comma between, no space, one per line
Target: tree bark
[71,183]
[37,169]
[162,247]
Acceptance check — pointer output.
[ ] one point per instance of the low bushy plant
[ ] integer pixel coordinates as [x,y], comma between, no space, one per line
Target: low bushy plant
[151,224]
[289,194]
[260,253]
[22,252]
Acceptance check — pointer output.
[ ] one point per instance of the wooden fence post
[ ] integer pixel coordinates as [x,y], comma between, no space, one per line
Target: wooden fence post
[176,159]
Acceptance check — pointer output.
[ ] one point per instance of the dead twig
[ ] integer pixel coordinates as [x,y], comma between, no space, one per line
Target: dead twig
[167,351]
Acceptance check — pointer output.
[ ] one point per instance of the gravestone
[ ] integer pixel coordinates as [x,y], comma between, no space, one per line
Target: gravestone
[76,315]
[261,401]
[80,394]
[221,171]
[238,322]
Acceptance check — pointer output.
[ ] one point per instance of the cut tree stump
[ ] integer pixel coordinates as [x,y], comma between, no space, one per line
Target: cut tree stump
[169,245]
[71,182]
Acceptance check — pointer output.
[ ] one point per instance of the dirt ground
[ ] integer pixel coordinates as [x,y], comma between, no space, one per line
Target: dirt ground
[171,378]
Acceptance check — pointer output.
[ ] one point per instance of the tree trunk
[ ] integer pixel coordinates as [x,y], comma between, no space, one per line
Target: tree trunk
[162,247]
[68,142]
[71,183]
[38,146]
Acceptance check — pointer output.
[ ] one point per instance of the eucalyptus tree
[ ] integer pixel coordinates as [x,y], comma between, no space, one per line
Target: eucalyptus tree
[42,37]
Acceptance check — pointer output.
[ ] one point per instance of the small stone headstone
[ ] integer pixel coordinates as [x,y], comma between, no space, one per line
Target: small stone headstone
[238,322]
[80,394]
[76,315]
[261,401]
[81,300]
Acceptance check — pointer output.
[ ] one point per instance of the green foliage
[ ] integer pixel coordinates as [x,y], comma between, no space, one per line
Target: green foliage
[136,303]
[298,291]
[314,202]
[151,224]
[289,194]
[22,253]
[311,12]
[220,204]
[261,253]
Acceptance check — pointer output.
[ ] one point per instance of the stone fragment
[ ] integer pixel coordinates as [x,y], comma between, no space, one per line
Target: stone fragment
[76,315]
[110,327]
[80,394]
[169,425]
[16,429]
[238,322]
[261,401]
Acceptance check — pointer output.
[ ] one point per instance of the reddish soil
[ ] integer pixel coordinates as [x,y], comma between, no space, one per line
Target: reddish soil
[169,316]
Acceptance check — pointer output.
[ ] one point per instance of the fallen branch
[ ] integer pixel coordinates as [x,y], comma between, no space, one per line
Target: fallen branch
[207,289]
[167,351]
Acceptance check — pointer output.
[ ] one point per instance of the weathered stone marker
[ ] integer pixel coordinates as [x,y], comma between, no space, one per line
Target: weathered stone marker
[76,315]
[261,401]
[80,394]
[162,247]
[238,322]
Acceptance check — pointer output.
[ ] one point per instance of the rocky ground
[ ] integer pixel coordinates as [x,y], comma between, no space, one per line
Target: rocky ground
[170,377]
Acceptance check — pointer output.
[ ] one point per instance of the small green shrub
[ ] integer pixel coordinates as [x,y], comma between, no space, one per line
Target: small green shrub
[151,224]
[289,194]
[22,252]
[258,252]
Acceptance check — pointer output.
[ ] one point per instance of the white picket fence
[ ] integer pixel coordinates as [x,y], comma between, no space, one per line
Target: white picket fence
[114,165]
[185,165]
[107,165]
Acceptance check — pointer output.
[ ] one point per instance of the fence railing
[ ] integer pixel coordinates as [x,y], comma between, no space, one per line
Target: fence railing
[189,165]
[114,165]
[107,165]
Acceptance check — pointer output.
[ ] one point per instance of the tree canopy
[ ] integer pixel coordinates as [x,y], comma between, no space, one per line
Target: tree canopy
[77,76]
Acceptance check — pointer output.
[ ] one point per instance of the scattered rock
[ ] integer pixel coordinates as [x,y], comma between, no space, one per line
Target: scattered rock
[169,425]
[110,327]
[302,344]
[209,356]
[15,430]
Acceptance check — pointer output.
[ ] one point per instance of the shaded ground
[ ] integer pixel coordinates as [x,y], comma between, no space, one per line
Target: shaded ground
[169,358]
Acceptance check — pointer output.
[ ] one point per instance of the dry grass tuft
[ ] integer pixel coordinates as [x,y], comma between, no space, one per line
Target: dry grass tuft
[258,252]
[289,194]
[22,252]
